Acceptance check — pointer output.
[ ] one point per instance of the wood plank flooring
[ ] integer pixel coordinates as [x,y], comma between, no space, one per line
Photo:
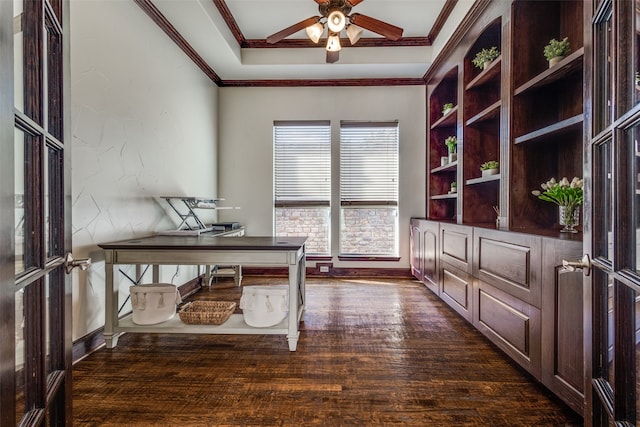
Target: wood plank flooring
[371,353]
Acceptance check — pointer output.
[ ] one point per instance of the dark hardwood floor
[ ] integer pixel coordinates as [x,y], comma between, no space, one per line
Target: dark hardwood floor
[371,353]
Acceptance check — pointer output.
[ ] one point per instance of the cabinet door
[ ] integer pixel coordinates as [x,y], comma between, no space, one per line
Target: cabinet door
[510,262]
[562,323]
[430,232]
[415,249]
[510,323]
[456,246]
[457,290]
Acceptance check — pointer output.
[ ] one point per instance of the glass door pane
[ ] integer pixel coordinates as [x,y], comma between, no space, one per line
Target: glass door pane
[602,202]
[602,93]
[636,53]
[18,54]
[19,186]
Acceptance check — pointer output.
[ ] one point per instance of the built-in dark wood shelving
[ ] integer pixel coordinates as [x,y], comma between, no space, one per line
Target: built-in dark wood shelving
[486,75]
[571,124]
[447,120]
[573,63]
[445,196]
[449,167]
[490,113]
[483,179]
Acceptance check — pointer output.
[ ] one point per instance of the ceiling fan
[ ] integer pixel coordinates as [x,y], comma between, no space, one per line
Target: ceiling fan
[336,15]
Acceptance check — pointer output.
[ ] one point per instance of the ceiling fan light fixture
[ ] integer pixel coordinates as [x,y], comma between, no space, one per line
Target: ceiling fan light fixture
[333,42]
[314,32]
[354,33]
[336,21]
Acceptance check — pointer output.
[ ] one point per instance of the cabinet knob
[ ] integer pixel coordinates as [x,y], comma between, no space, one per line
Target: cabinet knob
[583,264]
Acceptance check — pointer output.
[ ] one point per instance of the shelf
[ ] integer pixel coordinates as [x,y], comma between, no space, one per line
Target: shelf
[569,65]
[449,167]
[486,75]
[448,120]
[445,196]
[483,179]
[567,125]
[490,113]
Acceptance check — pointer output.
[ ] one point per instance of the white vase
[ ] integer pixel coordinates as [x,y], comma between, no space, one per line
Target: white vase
[489,172]
[553,61]
[444,160]
[453,157]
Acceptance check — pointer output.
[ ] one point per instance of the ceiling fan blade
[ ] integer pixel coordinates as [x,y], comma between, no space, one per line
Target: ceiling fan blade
[275,38]
[333,56]
[387,30]
[354,2]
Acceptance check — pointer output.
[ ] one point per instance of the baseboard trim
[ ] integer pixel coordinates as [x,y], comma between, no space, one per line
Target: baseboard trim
[333,272]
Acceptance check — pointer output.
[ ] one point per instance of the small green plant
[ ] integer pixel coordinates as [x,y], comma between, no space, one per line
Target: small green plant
[454,184]
[446,107]
[489,165]
[557,48]
[451,142]
[485,55]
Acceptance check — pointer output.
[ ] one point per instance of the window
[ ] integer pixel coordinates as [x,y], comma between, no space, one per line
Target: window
[369,188]
[302,181]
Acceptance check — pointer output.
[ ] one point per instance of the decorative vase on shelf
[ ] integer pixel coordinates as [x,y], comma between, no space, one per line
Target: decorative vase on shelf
[553,61]
[486,64]
[453,157]
[489,172]
[569,218]
[444,160]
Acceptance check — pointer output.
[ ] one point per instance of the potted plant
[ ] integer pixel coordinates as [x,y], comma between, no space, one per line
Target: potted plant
[485,57]
[568,196]
[556,50]
[446,108]
[454,187]
[489,168]
[452,142]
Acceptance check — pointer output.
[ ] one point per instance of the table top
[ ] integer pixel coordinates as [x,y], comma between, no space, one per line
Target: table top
[206,242]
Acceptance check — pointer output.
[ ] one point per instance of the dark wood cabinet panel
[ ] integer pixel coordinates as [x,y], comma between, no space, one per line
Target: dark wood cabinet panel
[430,258]
[416,248]
[509,261]
[456,245]
[457,290]
[510,323]
[562,326]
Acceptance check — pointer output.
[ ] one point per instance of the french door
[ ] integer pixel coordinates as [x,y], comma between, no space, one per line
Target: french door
[35,293]
[613,236]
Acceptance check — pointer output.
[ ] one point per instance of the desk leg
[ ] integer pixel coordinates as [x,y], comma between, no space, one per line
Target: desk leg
[296,300]
[111,304]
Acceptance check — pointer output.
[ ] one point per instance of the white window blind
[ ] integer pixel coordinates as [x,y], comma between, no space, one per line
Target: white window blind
[302,163]
[368,163]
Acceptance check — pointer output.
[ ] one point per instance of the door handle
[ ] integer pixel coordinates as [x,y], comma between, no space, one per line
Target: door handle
[70,263]
[583,264]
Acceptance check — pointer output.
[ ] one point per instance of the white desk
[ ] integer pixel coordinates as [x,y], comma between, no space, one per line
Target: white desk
[207,250]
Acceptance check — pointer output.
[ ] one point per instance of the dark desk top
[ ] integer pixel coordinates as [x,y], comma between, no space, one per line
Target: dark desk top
[205,242]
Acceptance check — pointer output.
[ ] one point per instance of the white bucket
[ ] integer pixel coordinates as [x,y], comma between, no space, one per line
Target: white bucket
[153,303]
[264,306]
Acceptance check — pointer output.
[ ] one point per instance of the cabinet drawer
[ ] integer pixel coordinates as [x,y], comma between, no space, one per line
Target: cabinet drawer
[456,290]
[511,324]
[456,246]
[511,262]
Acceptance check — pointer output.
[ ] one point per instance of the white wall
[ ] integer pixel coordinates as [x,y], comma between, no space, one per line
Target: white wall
[144,125]
[245,173]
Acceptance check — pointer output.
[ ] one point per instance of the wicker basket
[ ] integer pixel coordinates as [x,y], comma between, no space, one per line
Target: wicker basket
[206,312]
